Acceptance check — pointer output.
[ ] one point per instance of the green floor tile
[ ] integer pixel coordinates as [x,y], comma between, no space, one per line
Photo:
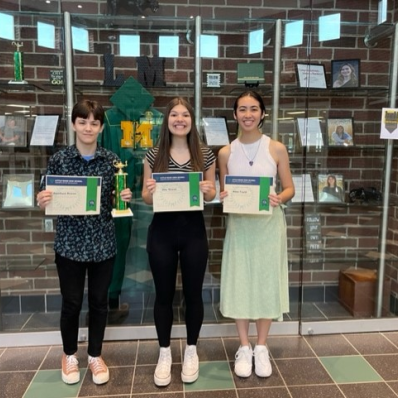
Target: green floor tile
[213,376]
[48,384]
[350,369]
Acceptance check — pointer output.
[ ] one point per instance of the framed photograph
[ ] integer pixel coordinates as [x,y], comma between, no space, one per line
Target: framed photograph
[311,75]
[13,131]
[346,73]
[331,188]
[340,132]
[18,190]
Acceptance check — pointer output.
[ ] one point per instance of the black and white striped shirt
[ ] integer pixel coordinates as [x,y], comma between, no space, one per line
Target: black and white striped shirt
[208,160]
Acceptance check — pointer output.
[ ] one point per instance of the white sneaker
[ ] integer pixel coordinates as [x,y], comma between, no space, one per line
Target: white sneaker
[262,364]
[190,367]
[70,369]
[162,376]
[244,361]
[98,369]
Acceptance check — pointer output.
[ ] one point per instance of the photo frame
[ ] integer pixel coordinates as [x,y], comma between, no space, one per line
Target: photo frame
[14,131]
[346,73]
[331,188]
[311,75]
[310,132]
[251,74]
[44,129]
[215,131]
[303,188]
[213,80]
[18,191]
[340,132]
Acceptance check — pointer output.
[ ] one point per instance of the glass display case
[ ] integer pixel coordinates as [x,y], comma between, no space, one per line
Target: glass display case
[342,217]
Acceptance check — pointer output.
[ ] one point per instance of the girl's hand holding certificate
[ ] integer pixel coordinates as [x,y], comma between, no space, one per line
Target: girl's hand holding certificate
[249,195]
[178,191]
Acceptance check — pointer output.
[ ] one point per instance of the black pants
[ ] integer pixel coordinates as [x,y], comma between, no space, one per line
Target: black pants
[72,276]
[178,237]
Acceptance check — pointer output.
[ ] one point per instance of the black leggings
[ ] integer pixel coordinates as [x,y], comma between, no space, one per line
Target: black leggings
[72,276]
[171,237]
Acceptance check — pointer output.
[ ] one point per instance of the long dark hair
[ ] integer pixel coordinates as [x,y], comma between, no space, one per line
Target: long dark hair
[161,163]
[334,180]
[257,97]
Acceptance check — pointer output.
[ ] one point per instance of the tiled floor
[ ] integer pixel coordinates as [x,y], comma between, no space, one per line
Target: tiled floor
[328,366]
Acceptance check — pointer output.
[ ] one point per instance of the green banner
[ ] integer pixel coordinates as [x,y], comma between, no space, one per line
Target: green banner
[194,197]
[264,192]
[91,198]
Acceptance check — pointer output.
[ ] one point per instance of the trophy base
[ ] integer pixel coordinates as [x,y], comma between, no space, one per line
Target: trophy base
[122,213]
[17,82]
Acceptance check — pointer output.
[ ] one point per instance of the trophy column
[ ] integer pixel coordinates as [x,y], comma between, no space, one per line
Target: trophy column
[121,209]
[18,65]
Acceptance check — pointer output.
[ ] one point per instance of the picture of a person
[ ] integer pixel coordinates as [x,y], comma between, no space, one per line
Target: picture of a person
[332,192]
[341,137]
[11,133]
[346,77]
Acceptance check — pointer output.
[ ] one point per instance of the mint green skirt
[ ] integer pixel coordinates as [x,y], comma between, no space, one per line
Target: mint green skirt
[254,271]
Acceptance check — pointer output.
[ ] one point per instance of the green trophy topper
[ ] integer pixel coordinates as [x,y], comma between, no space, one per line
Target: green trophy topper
[121,208]
[18,65]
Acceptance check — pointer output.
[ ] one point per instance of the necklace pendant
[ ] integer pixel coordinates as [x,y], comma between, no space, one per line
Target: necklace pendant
[251,162]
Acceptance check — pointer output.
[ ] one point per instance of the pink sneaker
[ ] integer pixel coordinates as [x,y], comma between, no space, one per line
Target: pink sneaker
[70,369]
[99,370]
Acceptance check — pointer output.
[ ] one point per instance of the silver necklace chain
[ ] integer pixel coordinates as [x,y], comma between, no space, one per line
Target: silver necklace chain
[250,158]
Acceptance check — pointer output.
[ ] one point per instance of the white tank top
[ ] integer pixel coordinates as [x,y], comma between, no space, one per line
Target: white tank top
[252,159]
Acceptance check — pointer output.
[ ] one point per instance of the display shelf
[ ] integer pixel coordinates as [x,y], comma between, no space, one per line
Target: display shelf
[98,88]
[7,87]
[286,90]
[349,257]
[364,91]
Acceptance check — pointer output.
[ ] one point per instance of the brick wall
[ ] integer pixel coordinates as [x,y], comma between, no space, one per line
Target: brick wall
[345,229]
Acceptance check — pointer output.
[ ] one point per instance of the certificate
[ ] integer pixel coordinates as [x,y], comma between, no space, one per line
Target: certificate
[74,195]
[310,132]
[216,131]
[248,195]
[303,187]
[177,192]
[44,130]
[311,75]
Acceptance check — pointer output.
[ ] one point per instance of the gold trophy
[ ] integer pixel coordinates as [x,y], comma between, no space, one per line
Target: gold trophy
[121,208]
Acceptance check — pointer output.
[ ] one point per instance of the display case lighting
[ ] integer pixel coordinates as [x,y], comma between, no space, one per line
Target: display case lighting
[18,106]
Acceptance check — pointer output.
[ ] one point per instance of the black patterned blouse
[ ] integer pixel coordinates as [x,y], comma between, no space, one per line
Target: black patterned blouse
[86,238]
